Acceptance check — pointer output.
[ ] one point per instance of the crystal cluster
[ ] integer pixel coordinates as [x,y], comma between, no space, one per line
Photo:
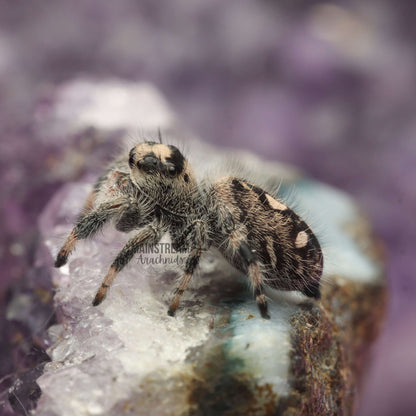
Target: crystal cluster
[127,356]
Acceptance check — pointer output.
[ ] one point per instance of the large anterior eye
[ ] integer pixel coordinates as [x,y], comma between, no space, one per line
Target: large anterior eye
[149,163]
[170,167]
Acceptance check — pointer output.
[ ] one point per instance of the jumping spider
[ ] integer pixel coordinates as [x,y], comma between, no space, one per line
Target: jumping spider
[155,191]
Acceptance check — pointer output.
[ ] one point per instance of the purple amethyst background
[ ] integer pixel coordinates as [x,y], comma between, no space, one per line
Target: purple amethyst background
[329,87]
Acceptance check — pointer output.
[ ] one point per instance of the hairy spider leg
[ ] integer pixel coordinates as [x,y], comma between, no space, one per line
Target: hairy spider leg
[197,237]
[249,259]
[191,264]
[150,235]
[89,202]
[86,226]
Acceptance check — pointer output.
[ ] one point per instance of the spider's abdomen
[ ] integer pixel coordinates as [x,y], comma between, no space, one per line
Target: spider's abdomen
[285,246]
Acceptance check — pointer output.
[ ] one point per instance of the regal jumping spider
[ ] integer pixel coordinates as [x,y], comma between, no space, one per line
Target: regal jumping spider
[155,191]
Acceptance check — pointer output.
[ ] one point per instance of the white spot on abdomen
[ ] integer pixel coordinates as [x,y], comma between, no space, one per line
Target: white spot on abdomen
[301,239]
[275,204]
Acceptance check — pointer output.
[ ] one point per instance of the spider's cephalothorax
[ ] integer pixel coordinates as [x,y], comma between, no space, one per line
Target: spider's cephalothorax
[154,191]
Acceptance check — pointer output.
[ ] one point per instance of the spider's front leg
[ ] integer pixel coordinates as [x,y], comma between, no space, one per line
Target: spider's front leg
[196,237]
[150,235]
[88,225]
[191,263]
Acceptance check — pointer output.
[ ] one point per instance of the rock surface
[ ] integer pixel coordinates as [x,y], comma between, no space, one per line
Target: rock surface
[217,356]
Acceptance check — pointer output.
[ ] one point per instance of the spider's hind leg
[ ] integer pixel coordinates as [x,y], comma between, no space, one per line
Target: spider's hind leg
[249,258]
[253,270]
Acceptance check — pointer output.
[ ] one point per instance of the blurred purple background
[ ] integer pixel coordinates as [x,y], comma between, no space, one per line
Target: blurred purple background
[329,87]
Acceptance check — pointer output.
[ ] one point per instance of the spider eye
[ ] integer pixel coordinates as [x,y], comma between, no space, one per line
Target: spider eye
[148,164]
[171,169]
